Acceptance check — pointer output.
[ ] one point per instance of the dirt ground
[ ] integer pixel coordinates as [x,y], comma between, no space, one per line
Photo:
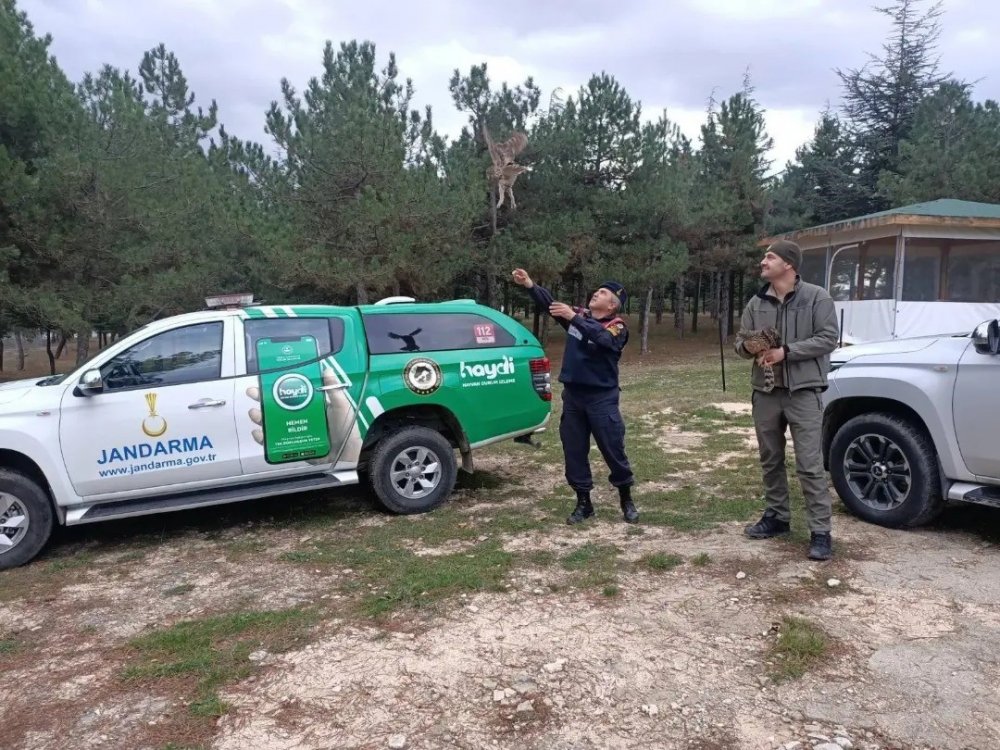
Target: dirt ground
[677,660]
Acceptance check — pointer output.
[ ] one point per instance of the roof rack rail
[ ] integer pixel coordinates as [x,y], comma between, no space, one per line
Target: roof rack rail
[394,300]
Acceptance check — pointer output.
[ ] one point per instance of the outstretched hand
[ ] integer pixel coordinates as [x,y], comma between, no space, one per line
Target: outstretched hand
[561,310]
[522,278]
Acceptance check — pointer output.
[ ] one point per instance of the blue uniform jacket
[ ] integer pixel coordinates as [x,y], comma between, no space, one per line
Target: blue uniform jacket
[593,347]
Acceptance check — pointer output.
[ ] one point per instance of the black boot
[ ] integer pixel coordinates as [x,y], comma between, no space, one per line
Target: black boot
[583,509]
[628,507]
[767,526]
[820,545]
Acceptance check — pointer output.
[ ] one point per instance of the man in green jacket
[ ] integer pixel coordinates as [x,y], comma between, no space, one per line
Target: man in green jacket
[804,316]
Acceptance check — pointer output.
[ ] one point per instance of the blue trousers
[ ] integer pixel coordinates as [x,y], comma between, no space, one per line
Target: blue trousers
[586,412]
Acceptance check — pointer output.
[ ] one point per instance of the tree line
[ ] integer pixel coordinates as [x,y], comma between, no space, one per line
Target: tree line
[123,198]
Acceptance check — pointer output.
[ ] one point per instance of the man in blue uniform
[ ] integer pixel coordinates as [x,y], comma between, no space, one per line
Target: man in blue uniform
[595,338]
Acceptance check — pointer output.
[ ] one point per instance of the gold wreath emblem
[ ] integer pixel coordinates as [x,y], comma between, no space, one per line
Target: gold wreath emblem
[154,425]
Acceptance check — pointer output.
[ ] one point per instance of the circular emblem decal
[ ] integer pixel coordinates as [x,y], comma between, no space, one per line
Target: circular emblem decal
[292,391]
[422,376]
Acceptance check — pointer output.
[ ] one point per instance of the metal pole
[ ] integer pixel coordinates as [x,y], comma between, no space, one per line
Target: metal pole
[722,356]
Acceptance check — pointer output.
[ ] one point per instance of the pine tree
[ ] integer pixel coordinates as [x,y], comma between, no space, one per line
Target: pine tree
[881,98]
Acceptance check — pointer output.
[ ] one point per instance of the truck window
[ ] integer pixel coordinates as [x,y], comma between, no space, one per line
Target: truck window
[191,354]
[426,332]
[328,332]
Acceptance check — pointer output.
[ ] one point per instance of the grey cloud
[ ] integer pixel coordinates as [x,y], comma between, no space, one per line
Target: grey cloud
[664,54]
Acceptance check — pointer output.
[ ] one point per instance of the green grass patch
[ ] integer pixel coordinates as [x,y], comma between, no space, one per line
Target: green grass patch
[701,559]
[660,562]
[71,562]
[480,480]
[800,646]
[403,579]
[695,507]
[245,546]
[593,565]
[184,588]
[215,651]
[132,556]
[9,645]
[541,558]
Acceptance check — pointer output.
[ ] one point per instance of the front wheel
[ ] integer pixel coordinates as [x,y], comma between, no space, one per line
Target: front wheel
[413,470]
[885,470]
[25,519]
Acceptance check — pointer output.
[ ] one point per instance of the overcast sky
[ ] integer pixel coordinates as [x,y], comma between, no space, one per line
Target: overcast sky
[668,55]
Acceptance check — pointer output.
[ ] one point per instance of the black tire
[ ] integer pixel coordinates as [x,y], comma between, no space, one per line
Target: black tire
[885,470]
[412,449]
[21,498]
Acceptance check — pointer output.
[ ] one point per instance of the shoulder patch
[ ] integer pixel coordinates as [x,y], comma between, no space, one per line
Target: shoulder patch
[615,326]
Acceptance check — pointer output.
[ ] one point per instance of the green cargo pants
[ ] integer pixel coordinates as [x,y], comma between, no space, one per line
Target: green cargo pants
[803,412]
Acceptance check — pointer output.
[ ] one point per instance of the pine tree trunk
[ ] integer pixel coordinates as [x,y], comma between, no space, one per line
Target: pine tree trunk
[644,321]
[491,282]
[362,293]
[82,346]
[724,303]
[694,308]
[48,350]
[19,339]
[660,303]
[713,305]
[493,212]
[546,318]
[1,353]
[490,290]
[679,305]
[63,338]
[731,305]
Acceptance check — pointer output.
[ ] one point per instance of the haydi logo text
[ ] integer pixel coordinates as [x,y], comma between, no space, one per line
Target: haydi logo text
[487,370]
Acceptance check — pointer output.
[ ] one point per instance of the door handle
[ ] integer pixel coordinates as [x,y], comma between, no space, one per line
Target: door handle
[206,402]
[335,387]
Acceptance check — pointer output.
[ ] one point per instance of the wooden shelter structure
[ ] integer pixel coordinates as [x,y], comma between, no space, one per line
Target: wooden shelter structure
[923,269]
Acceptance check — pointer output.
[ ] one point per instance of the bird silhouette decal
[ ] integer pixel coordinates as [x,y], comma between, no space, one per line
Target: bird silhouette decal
[409,345]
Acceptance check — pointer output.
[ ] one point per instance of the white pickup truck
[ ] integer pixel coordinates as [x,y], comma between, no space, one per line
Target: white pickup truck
[225,405]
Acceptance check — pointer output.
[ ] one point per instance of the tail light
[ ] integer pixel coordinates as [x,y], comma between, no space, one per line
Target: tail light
[541,377]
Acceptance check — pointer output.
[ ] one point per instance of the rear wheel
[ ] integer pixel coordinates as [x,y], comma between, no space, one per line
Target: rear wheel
[885,470]
[26,519]
[413,470]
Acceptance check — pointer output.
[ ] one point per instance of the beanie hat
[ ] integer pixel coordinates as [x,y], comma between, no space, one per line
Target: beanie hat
[788,251]
[618,290]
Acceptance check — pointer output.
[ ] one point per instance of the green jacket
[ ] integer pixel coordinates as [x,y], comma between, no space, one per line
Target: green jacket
[807,322]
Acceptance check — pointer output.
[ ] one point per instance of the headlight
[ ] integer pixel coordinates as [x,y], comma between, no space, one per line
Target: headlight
[834,366]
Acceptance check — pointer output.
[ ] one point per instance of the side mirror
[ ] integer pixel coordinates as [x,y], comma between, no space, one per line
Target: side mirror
[986,337]
[91,382]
